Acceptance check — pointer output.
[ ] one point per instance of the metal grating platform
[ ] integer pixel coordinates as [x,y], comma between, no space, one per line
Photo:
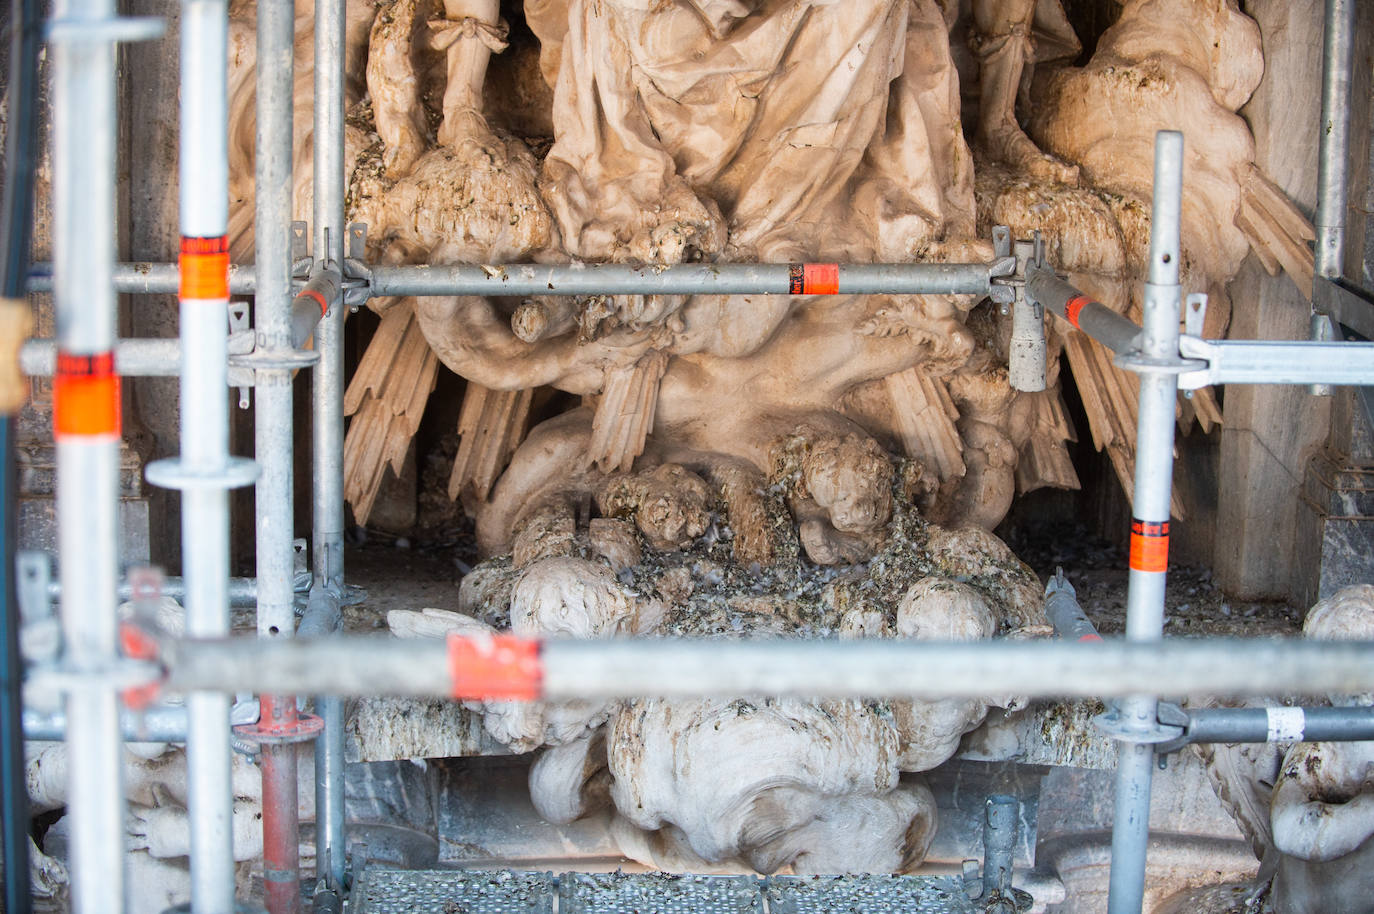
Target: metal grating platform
[842,894]
[389,891]
[657,893]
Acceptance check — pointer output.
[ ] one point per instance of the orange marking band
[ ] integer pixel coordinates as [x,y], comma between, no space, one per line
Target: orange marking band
[85,395]
[139,645]
[821,279]
[1073,306]
[205,268]
[813,279]
[1149,545]
[495,667]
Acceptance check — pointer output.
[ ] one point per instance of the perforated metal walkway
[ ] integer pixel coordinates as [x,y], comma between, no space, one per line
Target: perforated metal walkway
[388,891]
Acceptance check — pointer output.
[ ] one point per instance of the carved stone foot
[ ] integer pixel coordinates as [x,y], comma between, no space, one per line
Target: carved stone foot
[1009,144]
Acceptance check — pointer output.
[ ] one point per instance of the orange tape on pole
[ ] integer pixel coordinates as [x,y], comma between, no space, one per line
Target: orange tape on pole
[495,667]
[1149,545]
[138,645]
[813,279]
[85,396]
[205,268]
[1073,306]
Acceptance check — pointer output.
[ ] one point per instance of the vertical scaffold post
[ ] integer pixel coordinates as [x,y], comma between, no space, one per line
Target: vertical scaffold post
[1149,551]
[273,437]
[1334,135]
[86,426]
[204,189]
[1338,42]
[327,421]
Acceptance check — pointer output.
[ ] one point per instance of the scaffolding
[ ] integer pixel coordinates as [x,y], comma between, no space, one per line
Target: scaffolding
[297,299]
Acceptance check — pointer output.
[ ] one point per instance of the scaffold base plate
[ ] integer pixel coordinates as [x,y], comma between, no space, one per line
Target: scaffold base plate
[391,891]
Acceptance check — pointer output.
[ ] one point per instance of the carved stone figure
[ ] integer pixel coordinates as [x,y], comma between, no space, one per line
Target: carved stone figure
[1323,809]
[801,466]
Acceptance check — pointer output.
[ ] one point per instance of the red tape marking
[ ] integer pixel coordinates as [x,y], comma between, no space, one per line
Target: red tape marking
[813,279]
[1073,306]
[1149,545]
[205,268]
[85,395]
[1090,638]
[495,667]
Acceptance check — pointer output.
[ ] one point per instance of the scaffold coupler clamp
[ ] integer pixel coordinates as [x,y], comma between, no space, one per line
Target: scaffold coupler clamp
[357,275]
[1165,729]
[1027,354]
[1172,715]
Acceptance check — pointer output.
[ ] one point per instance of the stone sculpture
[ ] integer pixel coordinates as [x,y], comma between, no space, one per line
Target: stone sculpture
[817,786]
[760,465]
[1323,806]
[1305,807]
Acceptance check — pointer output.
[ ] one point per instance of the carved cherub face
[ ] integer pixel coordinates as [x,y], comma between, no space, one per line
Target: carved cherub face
[672,507]
[669,503]
[851,478]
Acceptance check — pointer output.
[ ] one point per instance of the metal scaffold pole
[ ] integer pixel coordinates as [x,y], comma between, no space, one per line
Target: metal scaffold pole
[1338,43]
[1149,552]
[506,667]
[327,422]
[205,472]
[273,440]
[86,426]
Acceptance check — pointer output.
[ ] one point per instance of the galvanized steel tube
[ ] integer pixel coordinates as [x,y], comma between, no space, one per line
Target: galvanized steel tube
[1334,135]
[132,358]
[87,429]
[242,591]
[681,279]
[273,434]
[1000,814]
[377,665]
[147,278]
[204,269]
[327,418]
[1279,724]
[165,724]
[1064,613]
[1154,463]
[1117,333]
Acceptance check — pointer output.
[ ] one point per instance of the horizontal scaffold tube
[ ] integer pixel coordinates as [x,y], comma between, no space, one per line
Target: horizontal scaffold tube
[1117,333]
[508,667]
[148,278]
[1279,725]
[605,279]
[154,725]
[242,591]
[149,357]
[685,279]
